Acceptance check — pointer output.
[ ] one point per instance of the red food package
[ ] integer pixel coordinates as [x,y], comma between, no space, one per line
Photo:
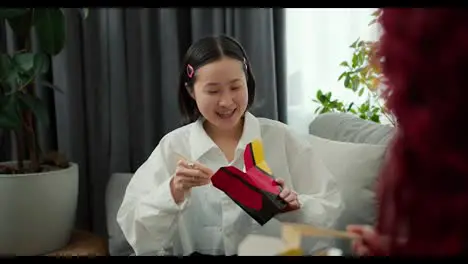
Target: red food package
[255,190]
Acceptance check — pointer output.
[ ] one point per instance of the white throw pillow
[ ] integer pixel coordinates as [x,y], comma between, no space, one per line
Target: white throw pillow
[356,168]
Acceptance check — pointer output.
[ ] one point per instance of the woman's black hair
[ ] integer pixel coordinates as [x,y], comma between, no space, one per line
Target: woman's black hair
[200,53]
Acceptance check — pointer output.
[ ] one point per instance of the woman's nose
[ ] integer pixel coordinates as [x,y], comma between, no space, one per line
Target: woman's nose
[226,99]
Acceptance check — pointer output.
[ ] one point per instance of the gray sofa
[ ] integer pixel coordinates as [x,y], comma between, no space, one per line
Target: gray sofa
[337,134]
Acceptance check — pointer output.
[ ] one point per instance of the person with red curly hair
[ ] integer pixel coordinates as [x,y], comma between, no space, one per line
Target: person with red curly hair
[423,189]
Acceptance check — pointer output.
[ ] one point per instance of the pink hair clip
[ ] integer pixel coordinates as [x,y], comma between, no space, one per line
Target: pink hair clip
[190,71]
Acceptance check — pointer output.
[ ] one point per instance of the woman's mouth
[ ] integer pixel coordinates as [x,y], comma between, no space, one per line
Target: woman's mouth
[226,114]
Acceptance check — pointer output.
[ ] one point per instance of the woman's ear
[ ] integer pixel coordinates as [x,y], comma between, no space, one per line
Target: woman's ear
[190,91]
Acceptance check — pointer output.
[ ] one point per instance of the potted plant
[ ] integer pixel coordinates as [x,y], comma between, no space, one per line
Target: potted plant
[362,75]
[38,191]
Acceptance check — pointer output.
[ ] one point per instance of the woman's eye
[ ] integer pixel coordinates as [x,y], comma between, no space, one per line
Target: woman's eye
[212,92]
[235,88]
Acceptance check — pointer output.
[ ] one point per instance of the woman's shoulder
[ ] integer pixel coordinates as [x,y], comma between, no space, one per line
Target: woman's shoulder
[278,127]
[177,137]
[173,142]
[266,123]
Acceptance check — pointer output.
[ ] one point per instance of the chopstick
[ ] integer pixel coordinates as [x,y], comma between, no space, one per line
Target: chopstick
[180,156]
[307,230]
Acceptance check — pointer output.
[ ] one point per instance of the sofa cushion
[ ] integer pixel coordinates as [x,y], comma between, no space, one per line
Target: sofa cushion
[118,245]
[350,128]
[356,167]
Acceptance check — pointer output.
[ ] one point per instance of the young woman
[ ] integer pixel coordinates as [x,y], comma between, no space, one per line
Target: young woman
[170,207]
[423,202]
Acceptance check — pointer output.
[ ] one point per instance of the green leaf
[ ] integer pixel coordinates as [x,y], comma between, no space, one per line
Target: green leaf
[324,110]
[25,61]
[12,12]
[361,57]
[355,83]
[36,106]
[21,25]
[342,75]
[31,64]
[323,99]
[354,60]
[319,96]
[50,28]
[375,118]
[344,64]
[339,106]
[9,116]
[347,82]
[365,107]
[333,104]
[361,91]
[354,44]
[28,66]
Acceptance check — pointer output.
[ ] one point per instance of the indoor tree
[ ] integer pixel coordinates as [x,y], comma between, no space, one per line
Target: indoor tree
[20,74]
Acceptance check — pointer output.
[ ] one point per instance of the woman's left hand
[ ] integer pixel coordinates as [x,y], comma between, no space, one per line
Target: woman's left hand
[289,196]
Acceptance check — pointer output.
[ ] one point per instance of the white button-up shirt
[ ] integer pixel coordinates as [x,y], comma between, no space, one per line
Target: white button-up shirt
[208,221]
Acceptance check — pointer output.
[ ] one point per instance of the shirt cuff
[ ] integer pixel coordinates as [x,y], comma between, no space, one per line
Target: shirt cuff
[162,198]
[295,215]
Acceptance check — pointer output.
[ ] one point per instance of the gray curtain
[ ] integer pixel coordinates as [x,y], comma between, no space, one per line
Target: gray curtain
[119,76]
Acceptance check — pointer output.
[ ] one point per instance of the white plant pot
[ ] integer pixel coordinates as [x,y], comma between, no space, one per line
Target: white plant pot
[37,211]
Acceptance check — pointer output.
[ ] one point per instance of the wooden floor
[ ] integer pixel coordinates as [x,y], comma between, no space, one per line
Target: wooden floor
[83,243]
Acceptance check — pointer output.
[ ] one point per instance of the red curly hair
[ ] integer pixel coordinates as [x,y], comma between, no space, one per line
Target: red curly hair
[423,190]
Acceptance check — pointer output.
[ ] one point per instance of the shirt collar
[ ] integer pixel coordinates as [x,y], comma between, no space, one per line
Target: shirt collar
[201,143]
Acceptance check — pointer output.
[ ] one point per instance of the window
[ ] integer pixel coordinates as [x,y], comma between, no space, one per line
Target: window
[317,41]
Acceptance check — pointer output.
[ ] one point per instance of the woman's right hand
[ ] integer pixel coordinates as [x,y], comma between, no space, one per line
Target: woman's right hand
[187,176]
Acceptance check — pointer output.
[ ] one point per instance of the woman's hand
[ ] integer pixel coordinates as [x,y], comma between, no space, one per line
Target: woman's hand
[369,241]
[289,196]
[187,176]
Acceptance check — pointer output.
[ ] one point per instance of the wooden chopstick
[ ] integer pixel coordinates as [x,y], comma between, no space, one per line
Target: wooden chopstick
[307,230]
[180,156]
